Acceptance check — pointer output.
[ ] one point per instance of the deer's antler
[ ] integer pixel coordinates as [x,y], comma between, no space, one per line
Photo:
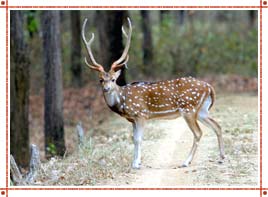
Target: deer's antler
[124,57]
[95,65]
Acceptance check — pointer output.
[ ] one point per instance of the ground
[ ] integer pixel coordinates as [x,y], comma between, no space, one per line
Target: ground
[105,158]
[237,116]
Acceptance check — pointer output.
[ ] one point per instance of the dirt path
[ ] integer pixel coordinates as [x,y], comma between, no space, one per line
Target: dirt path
[162,169]
[162,158]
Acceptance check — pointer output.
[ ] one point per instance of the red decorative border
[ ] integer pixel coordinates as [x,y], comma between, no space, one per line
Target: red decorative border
[261,99]
[132,188]
[7,114]
[7,188]
[136,7]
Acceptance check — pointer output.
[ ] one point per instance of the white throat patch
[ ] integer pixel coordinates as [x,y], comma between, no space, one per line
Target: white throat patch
[112,98]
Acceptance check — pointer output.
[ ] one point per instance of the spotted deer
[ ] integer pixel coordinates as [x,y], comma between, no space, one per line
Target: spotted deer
[140,101]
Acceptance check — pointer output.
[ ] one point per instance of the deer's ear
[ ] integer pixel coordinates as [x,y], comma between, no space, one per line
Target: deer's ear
[117,73]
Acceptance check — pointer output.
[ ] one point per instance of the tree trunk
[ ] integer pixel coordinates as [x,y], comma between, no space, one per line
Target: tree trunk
[180,15]
[76,67]
[19,90]
[54,126]
[103,56]
[252,18]
[111,40]
[147,44]
[162,15]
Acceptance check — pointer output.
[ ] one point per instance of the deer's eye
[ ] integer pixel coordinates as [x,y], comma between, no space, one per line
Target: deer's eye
[101,80]
[113,80]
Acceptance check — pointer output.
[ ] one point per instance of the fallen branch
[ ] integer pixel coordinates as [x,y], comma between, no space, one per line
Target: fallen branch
[29,179]
[15,172]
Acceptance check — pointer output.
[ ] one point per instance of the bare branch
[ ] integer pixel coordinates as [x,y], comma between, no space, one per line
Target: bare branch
[15,172]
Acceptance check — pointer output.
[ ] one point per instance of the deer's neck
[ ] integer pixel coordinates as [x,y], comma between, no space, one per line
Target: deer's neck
[113,98]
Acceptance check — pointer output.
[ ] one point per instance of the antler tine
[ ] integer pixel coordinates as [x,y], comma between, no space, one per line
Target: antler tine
[125,62]
[124,32]
[118,66]
[124,55]
[95,66]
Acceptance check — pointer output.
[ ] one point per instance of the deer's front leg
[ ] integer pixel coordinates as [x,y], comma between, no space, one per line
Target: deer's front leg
[137,138]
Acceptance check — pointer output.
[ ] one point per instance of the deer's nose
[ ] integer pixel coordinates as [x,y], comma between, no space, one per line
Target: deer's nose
[106,89]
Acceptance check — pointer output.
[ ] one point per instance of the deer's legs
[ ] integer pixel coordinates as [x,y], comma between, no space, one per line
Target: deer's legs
[209,122]
[137,138]
[193,125]
[203,116]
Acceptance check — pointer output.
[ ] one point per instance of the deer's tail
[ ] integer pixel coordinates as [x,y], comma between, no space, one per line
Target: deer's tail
[212,95]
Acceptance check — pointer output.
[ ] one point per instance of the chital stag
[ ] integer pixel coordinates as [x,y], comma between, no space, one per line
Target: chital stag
[141,101]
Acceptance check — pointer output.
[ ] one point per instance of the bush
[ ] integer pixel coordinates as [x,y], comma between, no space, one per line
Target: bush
[199,49]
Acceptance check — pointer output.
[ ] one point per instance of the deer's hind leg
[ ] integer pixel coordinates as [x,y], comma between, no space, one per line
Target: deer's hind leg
[203,116]
[209,122]
[193,125]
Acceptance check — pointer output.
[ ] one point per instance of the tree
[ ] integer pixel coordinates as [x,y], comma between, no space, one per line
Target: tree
[180,15]
[111,40]
[147,44]
[19,91]
[162,15]
[54,126]
[76,67]
[252,17]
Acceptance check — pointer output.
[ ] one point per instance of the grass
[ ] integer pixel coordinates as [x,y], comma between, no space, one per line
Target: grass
[104,156]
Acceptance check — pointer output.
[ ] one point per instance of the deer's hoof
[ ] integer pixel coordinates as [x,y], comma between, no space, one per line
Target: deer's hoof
[183,165]
[222,159]
[136,165]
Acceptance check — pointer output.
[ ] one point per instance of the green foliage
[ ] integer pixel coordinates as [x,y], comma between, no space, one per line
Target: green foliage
[32,22]
[200,49]
[51,149]
[165,47]
[207,43]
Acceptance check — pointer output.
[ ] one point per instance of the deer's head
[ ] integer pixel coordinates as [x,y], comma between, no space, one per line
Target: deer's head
[108,79]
